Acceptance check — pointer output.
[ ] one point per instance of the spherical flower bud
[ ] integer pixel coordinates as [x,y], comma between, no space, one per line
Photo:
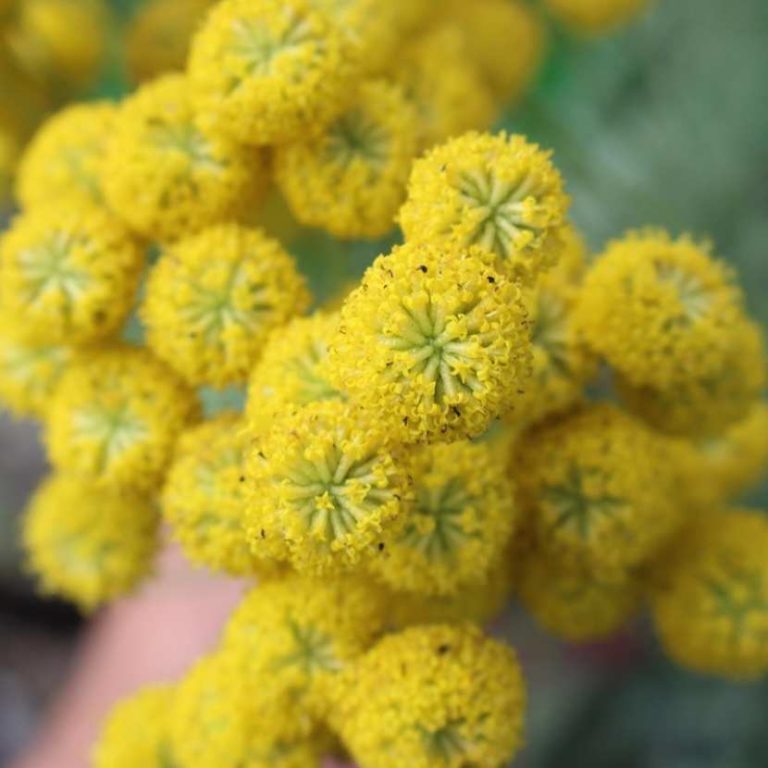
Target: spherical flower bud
[270,71]
[209,318]
[434,343]
[595,17]
[70,271]
[325,481]
[166,176]
[88,544]
[498,192]
[433,695]
[710,600]
[350,178]
[115,417]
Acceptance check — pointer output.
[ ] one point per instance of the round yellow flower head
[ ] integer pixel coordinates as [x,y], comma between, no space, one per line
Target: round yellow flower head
[432,696]
[595,17]
[710,602]
[136,732]
[88,544]
[459,524]
[208,316]
[70,271]
[350,179]
[63,160]
[292,370]
[270,71]
[434,343]
[661,311]
[115,417]
[498,192]
[166,175]
[599,487]
[325,481]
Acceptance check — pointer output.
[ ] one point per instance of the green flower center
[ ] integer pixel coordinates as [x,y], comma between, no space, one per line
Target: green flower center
[550,332]
[187,140]
[695,299]
[354,136]
[306,367]
[75,159]
[312,650]
[445,744]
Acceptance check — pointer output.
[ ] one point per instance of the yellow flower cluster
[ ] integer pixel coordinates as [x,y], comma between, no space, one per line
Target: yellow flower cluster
[595,17]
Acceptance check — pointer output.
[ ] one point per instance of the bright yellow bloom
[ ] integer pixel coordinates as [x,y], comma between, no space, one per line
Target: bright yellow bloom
[115,417]
[710,603]
[88,544]
[498,192]
[166,175]
[136,732]
[599,488]
[326,482]
[69,273]
[433,696]
[285,753]
[292,370]
[63,160]
[434,344]
[209,317]
[459,524]
[268,72]
[350,178]
[595,17]
[661,311]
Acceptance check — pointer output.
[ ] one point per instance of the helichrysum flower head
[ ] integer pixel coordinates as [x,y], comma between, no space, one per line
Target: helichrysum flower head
[115,417]
[325,480]
[599,488]
[88,544]
[166,175]
[292,370]
[661,311]
[136,733]
[434,343]
[710,601]
[70,271]
[350,178]
[595,17]
[63,160]
[270,71]
[459,523]
[208,316]
[433,696]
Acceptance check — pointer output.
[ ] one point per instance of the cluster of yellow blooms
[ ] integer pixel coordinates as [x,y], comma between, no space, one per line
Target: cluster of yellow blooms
[403,463]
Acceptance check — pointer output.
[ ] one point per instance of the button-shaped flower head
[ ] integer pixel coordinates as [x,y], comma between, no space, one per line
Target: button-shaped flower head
[270,71]
[459,524]
[595,17]
[213,298]
[63,160]
[167,176]
[88,544]
[661,311]
[326,481]
[432,696]
[498,192]
[350,178]
[434,343]
[115,417]
[70,271]
[710,602]
[599,488]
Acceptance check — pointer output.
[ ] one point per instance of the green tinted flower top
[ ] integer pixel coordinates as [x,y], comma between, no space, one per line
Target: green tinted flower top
[70,271]
[136,732]
[661,311]
[434,343]
[498,192]
[115,417]
[595,17]
[433,697]
[459,524]
[63,160]
[88,544]
[267,72]
[167,176]
[325,480]
[599,487]
[292,370]
[209,316]
[350,179]
[710,604]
